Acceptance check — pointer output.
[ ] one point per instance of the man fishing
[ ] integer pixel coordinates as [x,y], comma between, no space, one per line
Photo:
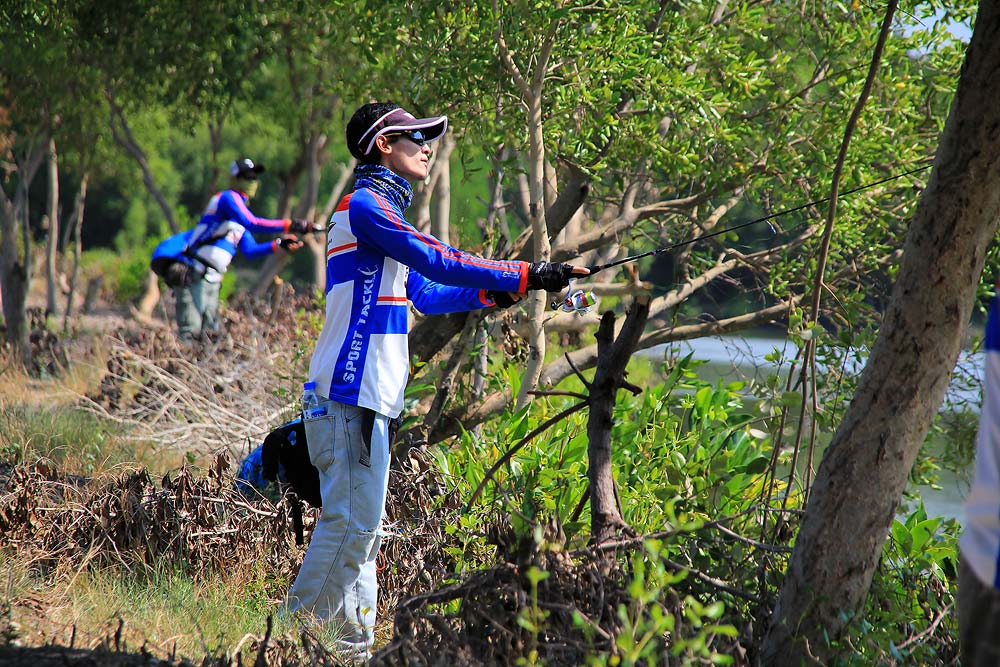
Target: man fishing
[194,261]
[377,262]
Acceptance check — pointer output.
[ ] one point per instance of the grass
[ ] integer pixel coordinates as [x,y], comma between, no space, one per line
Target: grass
[169,610]
[76,441]
[82,375]
[40,419]
[166,610]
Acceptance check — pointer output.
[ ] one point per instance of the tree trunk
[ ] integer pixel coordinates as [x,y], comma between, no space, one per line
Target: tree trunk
[15,253]
[92,293]
[316,243]
[432,333]
[52,242]
[865,469]
[537,301]
[496,216]
[441,219]
[77,227]
[13,279]
[150,295]
[309,163]
[605,515]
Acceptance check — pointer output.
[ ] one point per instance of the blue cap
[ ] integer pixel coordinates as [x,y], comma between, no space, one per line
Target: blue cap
[309,385]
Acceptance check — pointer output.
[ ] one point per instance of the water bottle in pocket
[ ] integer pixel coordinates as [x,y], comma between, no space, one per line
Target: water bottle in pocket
[319,423]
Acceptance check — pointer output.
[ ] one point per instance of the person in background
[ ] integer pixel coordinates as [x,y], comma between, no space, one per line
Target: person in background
[199,257]
[978,597]
[377,262]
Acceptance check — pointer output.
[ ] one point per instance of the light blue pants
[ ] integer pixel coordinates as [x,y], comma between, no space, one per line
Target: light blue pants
[337,581]
[197,308]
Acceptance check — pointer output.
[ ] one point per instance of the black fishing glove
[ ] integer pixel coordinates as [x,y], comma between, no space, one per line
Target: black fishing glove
[501,299]
[289,243]
[549,276]
[300,226]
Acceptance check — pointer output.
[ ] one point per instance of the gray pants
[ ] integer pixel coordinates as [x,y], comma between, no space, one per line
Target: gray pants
[337,583]
[978,619]
[197,308]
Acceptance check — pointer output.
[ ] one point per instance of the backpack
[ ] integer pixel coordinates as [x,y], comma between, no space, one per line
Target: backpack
[174,259]
[250,480]
[285,458]
[282,461]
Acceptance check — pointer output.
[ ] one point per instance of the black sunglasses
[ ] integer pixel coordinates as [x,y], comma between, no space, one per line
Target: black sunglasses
[416,136]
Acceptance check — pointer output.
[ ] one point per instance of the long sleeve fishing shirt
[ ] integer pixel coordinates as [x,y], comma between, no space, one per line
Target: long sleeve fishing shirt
[376,263]
[227,225]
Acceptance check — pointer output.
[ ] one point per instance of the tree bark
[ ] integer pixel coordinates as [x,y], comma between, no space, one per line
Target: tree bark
[865,469]
[430,334]
[15,253]
[309,162]
[150,295]
[316,243]
[77,228]
[605,515]
[441,218]
[531,95]
[52,241]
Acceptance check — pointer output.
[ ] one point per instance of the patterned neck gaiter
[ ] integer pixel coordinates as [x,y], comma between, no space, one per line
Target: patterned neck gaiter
[383,181]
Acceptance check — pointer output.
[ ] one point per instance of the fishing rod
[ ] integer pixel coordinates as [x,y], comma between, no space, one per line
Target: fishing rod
[581,301]
[680,244]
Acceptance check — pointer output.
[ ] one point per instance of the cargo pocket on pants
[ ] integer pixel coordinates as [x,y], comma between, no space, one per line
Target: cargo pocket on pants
[321,436]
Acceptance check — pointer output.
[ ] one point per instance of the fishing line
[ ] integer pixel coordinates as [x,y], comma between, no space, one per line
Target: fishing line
[582,302]
[680,244]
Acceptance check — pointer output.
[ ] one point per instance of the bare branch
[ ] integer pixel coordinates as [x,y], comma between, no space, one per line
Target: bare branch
[586,357]
[507,59]
[123,136]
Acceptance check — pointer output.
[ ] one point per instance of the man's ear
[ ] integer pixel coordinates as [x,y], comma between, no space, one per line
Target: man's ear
[383,145]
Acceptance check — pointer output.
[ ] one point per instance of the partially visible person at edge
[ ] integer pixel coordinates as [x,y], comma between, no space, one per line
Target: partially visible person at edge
[979,547]
[227,225]
[376,262]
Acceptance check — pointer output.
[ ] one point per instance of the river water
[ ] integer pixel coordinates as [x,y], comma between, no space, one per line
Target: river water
[733,359]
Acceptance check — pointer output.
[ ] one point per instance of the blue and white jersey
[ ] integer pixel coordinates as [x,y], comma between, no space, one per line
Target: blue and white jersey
[227,225]
[376,263]
[980,541]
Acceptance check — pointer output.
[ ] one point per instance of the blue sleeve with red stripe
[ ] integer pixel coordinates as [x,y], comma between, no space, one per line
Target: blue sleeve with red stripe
[375,222]
[249,246]
[432,298]
[233,207]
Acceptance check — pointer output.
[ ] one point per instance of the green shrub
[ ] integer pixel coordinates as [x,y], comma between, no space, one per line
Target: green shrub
[687,453]
[124,273]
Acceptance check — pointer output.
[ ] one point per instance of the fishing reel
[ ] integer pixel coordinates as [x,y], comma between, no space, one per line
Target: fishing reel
[578,301]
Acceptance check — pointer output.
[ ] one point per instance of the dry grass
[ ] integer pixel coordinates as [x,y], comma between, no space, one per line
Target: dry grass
[80,369]
[197,404]
[184,562]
